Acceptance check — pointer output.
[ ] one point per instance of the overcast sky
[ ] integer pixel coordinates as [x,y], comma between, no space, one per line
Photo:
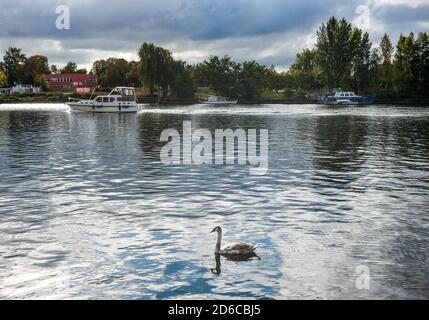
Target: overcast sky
[269,31]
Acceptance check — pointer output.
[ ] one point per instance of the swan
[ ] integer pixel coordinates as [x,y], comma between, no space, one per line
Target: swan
[238,248]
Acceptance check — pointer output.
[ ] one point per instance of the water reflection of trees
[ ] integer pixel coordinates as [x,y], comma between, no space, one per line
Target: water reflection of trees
[22,130]
[152,125]
[411,139]
[340,143]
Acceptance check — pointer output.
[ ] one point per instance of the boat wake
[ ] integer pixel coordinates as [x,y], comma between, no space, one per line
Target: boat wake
[51,107]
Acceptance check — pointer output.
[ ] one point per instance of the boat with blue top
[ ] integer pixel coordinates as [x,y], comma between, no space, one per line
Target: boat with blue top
[339,97]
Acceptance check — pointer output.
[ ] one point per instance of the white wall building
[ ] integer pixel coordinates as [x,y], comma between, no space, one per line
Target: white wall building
[25,88]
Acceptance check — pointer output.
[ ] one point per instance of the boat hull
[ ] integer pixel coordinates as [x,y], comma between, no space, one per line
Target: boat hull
[219,103]
[102,109]
[352,101]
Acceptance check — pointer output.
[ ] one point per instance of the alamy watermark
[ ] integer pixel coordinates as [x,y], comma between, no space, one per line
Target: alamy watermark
[363,280]
[363,20]
[202,147]
[63,20]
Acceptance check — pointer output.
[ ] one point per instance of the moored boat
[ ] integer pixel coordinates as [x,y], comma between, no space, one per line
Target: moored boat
[346,98]
[119,100]
[216,100]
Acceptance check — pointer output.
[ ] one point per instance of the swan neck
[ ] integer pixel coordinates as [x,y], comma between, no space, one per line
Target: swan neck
[219,240]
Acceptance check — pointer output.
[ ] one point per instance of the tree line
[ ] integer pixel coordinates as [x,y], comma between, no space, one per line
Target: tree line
[342,57]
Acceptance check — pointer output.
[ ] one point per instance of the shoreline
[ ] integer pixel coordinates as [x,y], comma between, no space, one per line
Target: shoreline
[175,102]
[49,97]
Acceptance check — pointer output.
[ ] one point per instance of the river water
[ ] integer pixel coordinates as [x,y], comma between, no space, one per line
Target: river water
[88,210]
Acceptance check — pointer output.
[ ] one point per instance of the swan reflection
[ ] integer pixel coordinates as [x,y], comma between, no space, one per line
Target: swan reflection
[235,258]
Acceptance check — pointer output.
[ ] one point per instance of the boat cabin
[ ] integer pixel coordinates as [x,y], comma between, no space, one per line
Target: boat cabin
[344,94]
[119,94]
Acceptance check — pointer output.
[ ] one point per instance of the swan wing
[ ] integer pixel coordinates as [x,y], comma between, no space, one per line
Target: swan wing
[238,247]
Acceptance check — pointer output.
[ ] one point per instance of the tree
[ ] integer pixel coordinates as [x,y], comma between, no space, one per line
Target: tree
[54,69]
[185,85]
[305,61]
[386,48]
[335,52]
[220,74]
[70,67]
[40,81]
[251,79]
[33,66]
[99,68]
[274,80]
[405,64]
[422,46]
[360,63]
[155,67]
[13,63]
[304,72]
[384,75]
[3,78]
[82,71]
[132,76]
[115,72]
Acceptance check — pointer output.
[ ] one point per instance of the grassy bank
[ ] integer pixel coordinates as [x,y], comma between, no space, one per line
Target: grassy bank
[41,97]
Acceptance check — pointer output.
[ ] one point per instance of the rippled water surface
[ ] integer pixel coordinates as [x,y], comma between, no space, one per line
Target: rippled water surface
[87,210]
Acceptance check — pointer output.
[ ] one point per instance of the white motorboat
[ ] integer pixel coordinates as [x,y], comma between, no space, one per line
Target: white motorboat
[216,100]
[119,100]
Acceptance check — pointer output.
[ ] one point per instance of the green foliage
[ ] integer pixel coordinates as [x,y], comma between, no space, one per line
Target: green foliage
[304,72]
[411,64]
[13,64]
[386,48]
[220,74]
[54,69]
[185,85]
[360,63]
[112,72]
[156,67]
[132,76]
[251,79]
[40,81]
[343,57]
[70,67]
[34,66]
[3,78]
[335,51]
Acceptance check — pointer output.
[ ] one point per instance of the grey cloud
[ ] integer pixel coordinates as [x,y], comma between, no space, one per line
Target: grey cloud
[245,29]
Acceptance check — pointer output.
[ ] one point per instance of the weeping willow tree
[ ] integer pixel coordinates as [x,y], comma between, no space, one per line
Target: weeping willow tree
[157,67]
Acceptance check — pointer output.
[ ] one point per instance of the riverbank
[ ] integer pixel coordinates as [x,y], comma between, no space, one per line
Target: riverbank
[64,97]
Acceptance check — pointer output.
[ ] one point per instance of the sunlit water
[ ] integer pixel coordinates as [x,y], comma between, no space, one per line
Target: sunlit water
[87,210]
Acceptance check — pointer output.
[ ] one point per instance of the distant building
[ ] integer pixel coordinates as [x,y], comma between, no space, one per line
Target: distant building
[25,88]
[72,82]
[5,90]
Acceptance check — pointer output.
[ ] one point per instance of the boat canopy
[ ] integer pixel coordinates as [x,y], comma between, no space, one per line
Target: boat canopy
[123,91]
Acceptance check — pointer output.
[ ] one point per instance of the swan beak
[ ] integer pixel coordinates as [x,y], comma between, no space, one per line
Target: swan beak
[213,230]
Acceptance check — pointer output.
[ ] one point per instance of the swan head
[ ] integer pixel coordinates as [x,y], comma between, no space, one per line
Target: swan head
[217,229]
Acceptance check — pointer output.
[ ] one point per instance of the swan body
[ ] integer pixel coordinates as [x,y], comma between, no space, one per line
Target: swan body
[237,248]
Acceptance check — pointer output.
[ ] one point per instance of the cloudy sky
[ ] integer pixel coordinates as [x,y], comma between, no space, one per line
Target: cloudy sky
[269,31]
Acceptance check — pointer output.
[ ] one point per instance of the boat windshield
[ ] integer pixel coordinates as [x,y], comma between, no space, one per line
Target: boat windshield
[127,92]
